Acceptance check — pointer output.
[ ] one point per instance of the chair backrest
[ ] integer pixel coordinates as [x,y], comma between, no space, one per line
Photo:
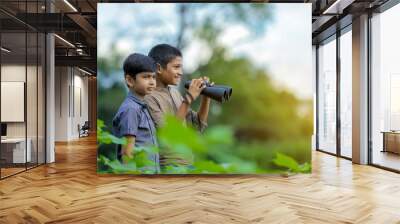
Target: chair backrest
[86,125]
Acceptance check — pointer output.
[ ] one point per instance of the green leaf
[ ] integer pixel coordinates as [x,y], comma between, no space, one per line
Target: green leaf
[286,161]
[175,170]
[104,137]
[208,167]
[142,159]
[100,124]
[176,136]
[305,168]
[117,167]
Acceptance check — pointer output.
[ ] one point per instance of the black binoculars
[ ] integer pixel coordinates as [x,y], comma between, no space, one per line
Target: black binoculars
[219,93]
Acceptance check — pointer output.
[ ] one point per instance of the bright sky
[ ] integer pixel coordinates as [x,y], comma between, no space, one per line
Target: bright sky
[284,51]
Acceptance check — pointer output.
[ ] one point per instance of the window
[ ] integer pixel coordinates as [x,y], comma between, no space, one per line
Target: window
[346,94]
[327,97]
[385,89]
[22,76]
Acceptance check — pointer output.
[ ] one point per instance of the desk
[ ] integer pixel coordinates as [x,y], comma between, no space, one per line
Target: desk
[391,142]
[13,150]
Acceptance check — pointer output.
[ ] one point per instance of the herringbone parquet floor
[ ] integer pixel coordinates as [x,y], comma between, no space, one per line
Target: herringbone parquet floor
[70,191]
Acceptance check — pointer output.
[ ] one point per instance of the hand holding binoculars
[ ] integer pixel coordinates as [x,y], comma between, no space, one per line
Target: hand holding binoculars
[218,93]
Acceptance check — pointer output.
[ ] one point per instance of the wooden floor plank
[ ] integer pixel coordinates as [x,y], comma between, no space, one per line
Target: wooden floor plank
[70,191]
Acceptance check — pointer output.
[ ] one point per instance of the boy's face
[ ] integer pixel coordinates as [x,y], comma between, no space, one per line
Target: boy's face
[172,73]
[143,84]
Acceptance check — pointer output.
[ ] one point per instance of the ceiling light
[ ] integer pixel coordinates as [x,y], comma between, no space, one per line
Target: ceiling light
[86,72]
[331,7]
[64,40]
[5,49]
[70,5]
[338,6]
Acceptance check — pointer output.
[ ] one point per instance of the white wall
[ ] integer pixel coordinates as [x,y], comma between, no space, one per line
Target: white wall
[33,126]
[12,73]
[81,94]
[81,81]
[70,83]
[61,103]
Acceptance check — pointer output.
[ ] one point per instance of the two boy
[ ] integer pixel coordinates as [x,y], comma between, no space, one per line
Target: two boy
[155,95]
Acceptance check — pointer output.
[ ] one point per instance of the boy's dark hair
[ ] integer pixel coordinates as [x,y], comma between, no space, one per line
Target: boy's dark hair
[137,63]
[164,53]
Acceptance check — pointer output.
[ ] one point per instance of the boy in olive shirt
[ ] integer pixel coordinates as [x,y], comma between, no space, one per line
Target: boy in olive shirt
[166,99]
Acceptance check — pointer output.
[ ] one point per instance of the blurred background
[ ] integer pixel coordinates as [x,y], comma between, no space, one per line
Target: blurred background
[262,50]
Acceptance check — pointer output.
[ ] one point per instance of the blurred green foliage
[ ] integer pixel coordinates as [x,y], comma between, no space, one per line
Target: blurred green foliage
[211,153]
[266,112]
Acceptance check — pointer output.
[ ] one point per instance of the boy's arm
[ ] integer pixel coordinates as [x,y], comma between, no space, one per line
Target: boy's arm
[127,150]
[204,108]
[193,92]
[204,105]
[199,119]
[182,111]
[128,127]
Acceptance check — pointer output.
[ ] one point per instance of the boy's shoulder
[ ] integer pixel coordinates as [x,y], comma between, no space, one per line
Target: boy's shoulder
[174,90]
[175,93]
[158,94]
[161,91]
[129,105]
[162,95]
